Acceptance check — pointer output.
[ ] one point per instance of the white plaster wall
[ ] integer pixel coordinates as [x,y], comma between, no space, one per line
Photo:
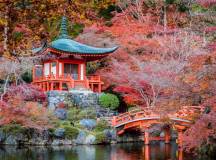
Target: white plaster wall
[60,68]
[82,71]
[46,69]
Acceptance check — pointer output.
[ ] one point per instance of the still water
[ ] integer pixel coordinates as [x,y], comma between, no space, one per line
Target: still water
[129,151]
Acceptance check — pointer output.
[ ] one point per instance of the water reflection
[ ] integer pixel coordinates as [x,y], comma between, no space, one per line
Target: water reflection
[130,151]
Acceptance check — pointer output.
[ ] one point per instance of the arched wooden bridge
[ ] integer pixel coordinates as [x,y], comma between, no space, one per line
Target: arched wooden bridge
[144,119]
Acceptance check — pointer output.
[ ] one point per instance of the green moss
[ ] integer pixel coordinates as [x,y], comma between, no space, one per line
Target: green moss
[100,138]
[101,125]
[12,129]
[73,114]
[71,132]
[87,113]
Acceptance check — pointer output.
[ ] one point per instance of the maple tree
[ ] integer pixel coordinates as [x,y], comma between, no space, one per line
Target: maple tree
[27,114]
[21,105]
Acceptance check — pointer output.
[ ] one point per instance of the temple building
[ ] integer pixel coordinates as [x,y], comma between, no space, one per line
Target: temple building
[63,64]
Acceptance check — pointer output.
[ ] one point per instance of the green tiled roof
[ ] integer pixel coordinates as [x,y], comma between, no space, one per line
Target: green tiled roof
[66,44]
[70,45]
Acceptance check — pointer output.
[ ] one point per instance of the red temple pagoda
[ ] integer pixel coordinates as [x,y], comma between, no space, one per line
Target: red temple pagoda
[64,64]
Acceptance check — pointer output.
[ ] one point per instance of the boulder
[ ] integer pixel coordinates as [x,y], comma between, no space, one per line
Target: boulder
[110,134]
[88,123]
[58,142]
[90,139]
[81,138]
[61,113]
[59,132]
[39,138]
[2,136]
[11,140]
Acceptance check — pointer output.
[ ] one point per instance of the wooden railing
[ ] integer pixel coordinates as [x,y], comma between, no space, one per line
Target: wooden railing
[67,78]
[132,115]
[185,114]
[95,78]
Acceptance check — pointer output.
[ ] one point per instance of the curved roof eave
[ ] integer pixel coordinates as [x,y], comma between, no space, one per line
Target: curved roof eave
[71,46]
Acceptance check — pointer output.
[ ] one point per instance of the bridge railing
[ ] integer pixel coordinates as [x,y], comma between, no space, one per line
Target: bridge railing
[186,112]
[131,115]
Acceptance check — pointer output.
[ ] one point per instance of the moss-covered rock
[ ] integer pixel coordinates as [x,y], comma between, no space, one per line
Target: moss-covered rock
[12,129]
[101,125]
[71,132]
[100,138]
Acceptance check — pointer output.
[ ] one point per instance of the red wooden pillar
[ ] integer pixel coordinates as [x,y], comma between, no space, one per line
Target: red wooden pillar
[167,135]
[180,136]
[41,86]
[57,69]
[51,87]
[60,86]
[167,151]
[180,154]
[47,86]
[63,68]
[79,71]
[146,138]
[44,86]
[92,87]
[99,88]
[147,152]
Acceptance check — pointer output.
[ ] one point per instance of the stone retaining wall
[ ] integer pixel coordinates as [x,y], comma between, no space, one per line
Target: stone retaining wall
[82,99]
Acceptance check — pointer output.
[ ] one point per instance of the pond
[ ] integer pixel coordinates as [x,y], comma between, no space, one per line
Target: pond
[126,151]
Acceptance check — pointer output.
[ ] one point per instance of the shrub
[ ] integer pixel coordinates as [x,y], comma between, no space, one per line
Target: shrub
[100,138]
[26,114]
[101,125]
[88,113]
[26,92]
[71,132]
[12,128]
[109,101]
[73,114]
[65,123]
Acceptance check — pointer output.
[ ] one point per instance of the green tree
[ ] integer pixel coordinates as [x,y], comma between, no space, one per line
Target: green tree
[108,100]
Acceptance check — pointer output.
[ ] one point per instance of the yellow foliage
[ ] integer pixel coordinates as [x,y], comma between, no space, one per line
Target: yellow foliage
[3,21]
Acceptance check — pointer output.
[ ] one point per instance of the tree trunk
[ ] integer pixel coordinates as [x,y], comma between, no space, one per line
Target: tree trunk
[5,87]
[6,28]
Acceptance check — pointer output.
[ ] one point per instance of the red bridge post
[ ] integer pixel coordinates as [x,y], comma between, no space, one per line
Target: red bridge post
[167,135]
[146,138]
[114,121]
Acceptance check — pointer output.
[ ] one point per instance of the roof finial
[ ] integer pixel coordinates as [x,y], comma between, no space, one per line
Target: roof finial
[63,29]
